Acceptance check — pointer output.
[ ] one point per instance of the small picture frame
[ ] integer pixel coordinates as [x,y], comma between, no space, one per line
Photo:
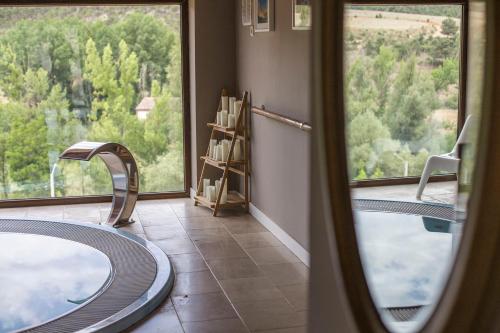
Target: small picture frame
[263,15]
[246,12]
[301,15]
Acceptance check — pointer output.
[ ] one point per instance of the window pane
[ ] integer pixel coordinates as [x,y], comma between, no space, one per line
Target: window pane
[94,73]
[402,66]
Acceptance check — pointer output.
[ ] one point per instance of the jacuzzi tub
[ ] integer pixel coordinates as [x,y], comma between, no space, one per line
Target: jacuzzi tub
[67,277]
[407,250]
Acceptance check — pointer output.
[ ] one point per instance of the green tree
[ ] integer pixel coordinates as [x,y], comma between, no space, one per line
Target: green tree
[11,75]
[441,48]
[63,127]
[361,175]
[27,150]
[47,43]
[114,95]
[449,27]
[360,91]
[151,40]
[411,102]
[36,86]
[377,174]
[174,69]
[372,43]
[163,127]
[382,69]
[128,68]
[5,124]
[166,174]
[101,73]
[155,89]
[446,74]
[365,132]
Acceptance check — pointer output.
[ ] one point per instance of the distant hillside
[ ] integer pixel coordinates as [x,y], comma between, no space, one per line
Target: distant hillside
[434,10]
[10,15]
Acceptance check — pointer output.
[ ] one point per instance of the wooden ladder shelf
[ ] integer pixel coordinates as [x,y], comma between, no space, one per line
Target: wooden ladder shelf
[239,167]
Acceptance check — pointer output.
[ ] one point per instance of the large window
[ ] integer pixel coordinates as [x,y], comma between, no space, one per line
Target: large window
[402,86]
[95,73]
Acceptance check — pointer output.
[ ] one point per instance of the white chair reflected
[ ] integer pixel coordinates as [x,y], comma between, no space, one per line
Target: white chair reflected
[447,162]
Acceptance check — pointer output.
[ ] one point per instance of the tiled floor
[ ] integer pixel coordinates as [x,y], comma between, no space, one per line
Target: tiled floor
[232,275]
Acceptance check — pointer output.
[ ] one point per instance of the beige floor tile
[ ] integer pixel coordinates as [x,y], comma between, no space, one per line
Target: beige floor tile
[297,295]
[220,249]
[216,326]
[80,212]
[250,289]
[145,208]
[209,234]
[187,263]
[270,314]
[135,228]
[159,232]
[176,245]
[201,222]
[203,307]
[244,227]
[6,213]
[238,216]
[103,214]
[257,239]
[231,212]
[287,274]
[87,219]
[46,212]
[157,203]
[159,220]
[234,268]
[302,329]
[158,322]
[191,211]
[272,255]
[180,202]
[195,283]
[155,215]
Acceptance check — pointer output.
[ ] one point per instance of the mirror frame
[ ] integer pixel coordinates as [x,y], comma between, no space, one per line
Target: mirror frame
[469,301]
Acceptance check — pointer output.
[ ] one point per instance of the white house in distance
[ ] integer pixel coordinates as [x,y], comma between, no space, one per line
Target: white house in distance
[145,106]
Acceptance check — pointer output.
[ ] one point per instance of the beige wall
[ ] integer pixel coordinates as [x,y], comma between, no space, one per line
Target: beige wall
[212,66]
[274,67]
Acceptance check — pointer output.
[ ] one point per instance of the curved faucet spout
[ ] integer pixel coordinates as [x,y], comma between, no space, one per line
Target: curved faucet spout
[123,169]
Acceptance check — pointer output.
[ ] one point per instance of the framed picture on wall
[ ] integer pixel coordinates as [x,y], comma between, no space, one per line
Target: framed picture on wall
[301,17]
[264,15]
[246,12]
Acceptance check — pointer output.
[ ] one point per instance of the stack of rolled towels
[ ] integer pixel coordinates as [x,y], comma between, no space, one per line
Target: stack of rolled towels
[219,150]
[229,113]
[212,191]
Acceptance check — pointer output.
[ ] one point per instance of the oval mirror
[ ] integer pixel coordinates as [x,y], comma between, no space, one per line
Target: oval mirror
[412,89]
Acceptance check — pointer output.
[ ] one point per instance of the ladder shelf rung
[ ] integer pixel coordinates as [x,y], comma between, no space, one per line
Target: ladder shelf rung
[228,131]
[234,198]
[216,164]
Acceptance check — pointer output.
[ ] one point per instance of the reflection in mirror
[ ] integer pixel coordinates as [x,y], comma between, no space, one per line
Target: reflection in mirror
[411,119]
